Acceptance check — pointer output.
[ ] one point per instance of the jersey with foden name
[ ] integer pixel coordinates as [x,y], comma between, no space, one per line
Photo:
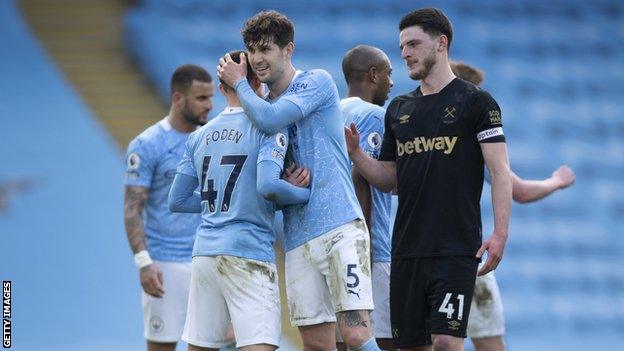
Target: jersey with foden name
[223,156]
[317,142]
[151,159]
[435,142]
[369,121]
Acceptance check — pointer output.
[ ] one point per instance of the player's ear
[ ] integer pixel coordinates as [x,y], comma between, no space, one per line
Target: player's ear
[290,48]
[222,88]
[177,98]
[372,74]
[442,43]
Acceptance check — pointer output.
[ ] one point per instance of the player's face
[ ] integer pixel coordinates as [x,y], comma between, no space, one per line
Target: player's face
[384,85]
[198,102]
[418,49]
[269,61]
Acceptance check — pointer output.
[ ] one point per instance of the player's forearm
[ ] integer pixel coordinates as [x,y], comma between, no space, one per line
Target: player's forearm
[275,189]
[134,202]
[501,198]
[532,190]
[374,171]
[269,118]
[182,195]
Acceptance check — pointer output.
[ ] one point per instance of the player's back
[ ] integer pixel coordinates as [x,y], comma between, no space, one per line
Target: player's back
[236,219]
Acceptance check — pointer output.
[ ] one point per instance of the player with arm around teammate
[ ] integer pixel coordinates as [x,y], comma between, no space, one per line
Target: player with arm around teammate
[367,71]
[160,240]
[436,141]
[486,323]
[326,241]
[233,270]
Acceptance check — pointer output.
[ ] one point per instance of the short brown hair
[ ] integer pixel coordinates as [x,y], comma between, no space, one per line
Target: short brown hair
[432,21]
[235,55]
[183,77]
[467,72]
[267,26]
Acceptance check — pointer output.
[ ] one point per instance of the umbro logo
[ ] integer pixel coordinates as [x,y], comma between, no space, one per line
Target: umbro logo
[404,119]
[454,325]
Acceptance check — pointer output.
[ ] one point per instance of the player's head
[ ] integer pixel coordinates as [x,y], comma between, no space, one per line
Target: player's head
[370,68]
[467,72]
[425,38]
[269,37]
[252,78]
[191,93]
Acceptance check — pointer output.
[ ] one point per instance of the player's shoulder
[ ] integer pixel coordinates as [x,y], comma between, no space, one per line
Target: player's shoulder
[150,137]
[472,90]
[319,76]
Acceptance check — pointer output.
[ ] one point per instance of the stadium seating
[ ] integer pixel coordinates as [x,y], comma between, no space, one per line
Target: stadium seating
[557,70]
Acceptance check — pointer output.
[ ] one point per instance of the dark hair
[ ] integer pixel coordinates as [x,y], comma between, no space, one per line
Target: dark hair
[235,55]
[359,60]
[432,21]
[268,26]
[467,72]
[184,76]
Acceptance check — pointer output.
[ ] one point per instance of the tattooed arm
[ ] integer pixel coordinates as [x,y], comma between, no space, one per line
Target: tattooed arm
[135,199]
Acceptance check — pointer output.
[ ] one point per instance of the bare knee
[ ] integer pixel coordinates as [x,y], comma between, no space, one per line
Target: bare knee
[355,327]
[494,343]
[319,337]
[447,343]
[160,346]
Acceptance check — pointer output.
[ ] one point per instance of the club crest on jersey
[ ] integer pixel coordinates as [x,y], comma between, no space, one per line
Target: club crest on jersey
[133,162]
[280,139]
[449,115]
[404,119]
[374,140]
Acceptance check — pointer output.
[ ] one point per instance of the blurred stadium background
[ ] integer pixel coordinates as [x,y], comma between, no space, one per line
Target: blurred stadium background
[79,79]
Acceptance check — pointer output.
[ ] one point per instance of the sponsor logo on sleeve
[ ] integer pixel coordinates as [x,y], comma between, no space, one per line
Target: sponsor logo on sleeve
[134,161]
[495,117]
[374,140]
[280,140]
[489,133]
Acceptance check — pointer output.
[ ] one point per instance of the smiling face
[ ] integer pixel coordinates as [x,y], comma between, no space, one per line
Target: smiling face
[269,61]
[419,50]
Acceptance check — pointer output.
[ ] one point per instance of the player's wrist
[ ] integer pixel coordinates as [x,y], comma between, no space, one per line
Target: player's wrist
[238,81]
[142,259]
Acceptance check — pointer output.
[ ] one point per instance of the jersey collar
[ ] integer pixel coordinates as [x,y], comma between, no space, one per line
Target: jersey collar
[350,99]
[164,124]
[232,110]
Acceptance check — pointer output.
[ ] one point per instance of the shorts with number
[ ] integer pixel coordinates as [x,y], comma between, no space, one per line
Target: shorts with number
[486,311]
[163,318]
[329,274]
[430,295]
[228,289]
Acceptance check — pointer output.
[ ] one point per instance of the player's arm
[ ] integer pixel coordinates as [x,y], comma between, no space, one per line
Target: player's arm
[532,190]
[364,194]
[273,188]
[380,174]
[495,156]
[135,198]
[182,195]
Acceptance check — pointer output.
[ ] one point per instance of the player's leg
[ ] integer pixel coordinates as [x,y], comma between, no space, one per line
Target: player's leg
[347,271]
[486,325]
[164,317]
[252,295]
[309,302]
[449,296]
[207,317]
[408,305]
[381,298]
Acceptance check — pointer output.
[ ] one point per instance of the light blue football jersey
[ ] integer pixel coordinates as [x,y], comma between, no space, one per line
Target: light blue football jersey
[317,142]
[369,120]
[152,158]
[236,220]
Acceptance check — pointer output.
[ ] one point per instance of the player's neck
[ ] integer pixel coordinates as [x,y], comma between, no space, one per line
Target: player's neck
[178,123]
[232,100]
[359,91]
[439,77]
[277,88]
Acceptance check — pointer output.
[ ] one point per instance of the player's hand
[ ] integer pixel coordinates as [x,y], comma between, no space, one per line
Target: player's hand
[494,245]
[564,176]
[297,176]
[152,280]
[230,71]
[352,137]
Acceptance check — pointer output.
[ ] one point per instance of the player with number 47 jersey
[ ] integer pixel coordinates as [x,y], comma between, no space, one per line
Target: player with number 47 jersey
[233,275]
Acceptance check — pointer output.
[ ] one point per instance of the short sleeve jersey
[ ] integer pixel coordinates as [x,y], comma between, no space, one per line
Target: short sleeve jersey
[151,161]
[435,142]
[223,155]
[369,121]
[317,142]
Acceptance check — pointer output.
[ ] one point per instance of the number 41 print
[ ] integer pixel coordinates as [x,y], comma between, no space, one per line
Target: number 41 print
[448,308]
